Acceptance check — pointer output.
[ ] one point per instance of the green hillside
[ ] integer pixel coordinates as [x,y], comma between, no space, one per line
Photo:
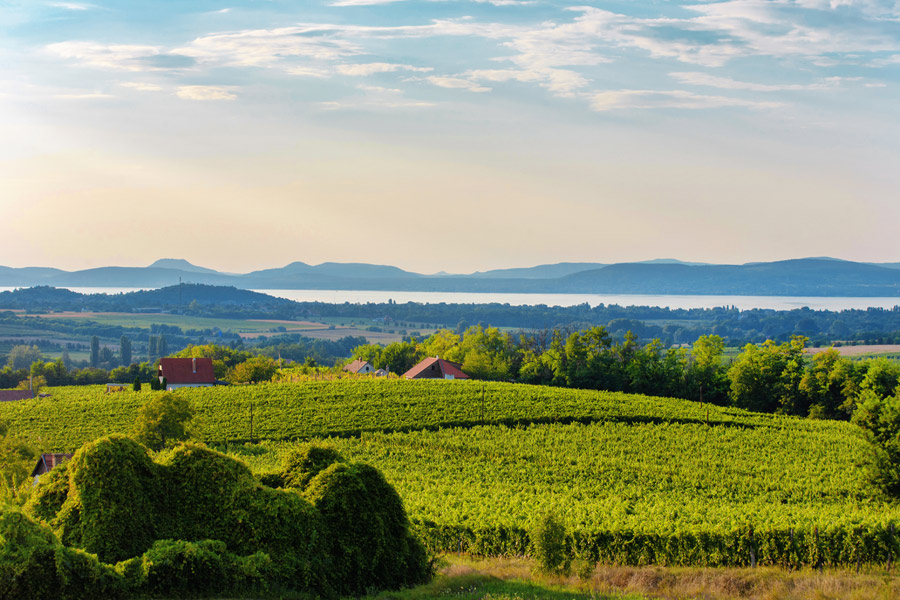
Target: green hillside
[636,479]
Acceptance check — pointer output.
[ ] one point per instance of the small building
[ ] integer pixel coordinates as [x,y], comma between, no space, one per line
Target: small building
[186,372]
[46,462]
[13,395]
[115,387]
[436,368]
[382,373]
[360,367]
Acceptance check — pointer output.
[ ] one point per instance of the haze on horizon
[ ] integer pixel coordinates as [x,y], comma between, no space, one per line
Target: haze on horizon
[455,135]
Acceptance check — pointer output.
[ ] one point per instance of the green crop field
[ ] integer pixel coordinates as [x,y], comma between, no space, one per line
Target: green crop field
[636,479]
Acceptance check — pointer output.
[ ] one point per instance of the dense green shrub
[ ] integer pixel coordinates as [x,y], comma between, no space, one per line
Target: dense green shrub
[368,541]
[199,488]
[34,565]
[302,464]
[202,522]
[111,508]
[548,545]
[47,498]
[177,567]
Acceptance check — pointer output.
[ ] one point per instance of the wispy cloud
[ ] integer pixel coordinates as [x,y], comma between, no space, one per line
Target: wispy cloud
[671,99]
[85,96]
[457,83]
[128,57]
[727,83]
[377,67]
[204,92]
[141,87]
[79,6]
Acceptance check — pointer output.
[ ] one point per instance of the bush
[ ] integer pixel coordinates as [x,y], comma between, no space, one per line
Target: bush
[34,565]
[548,543]
[48,497]
[368,541]
[111,507]
[176,567]
[302,464]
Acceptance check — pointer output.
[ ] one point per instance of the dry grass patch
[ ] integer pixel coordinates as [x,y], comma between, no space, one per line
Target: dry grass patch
[676,583]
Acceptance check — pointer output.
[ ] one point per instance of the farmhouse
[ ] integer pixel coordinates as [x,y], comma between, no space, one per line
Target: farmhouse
[13,395]
[360,367]
[46,462]
[186,372]
[436,368]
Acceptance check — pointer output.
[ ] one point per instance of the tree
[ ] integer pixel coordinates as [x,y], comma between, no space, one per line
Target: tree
[125,351]
[162,420]
[136,386]
[152,348]
[880,417]
[827,383]
[254,370]
[95,351]
[706,369]
[21,357]
[33,383]
[767,378]
[162,346]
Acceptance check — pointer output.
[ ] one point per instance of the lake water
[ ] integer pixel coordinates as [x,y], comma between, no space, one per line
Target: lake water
[670,301]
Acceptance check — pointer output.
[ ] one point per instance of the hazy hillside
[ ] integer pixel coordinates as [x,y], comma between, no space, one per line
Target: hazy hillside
[800,277]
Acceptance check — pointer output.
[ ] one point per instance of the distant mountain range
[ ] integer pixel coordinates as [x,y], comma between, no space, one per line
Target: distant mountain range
[821,276]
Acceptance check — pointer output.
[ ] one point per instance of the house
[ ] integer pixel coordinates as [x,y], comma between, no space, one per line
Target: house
[13,395]
[46,462]
[382,372]
[115,387]
[186,372]
[436,368]
[360,367]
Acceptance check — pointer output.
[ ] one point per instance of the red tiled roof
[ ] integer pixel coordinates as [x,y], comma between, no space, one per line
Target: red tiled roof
[357,365]
[435,368]
[12,395]
[47,461]
[187,370]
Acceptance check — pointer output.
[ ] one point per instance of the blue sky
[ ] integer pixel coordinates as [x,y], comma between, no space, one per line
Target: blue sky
[457,135]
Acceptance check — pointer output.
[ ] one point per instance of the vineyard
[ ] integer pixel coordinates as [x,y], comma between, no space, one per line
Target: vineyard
[290,411]
[637,480]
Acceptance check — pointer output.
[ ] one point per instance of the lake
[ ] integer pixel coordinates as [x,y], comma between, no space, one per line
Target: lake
[670,301]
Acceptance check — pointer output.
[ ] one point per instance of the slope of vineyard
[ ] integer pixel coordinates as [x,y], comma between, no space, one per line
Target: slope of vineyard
[636,479]
[669,493]
[289,411]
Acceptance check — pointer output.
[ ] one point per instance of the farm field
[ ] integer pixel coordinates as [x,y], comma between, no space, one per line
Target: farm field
[637,480]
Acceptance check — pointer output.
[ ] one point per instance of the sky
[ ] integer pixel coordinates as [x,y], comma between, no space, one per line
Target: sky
[454,135]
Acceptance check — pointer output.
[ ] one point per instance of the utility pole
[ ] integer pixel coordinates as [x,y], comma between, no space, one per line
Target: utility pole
[251,422]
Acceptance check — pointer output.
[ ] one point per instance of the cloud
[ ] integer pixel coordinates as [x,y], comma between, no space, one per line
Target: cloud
[307,71]
[456,83]
[127,57]
[140,86]
[87,96]
[377,67]
[267,47]
[363,2]
[72,5]
[726,83]
[673,99]
[204,92]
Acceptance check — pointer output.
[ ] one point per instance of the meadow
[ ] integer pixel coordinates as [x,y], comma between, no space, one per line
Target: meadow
[636,479]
